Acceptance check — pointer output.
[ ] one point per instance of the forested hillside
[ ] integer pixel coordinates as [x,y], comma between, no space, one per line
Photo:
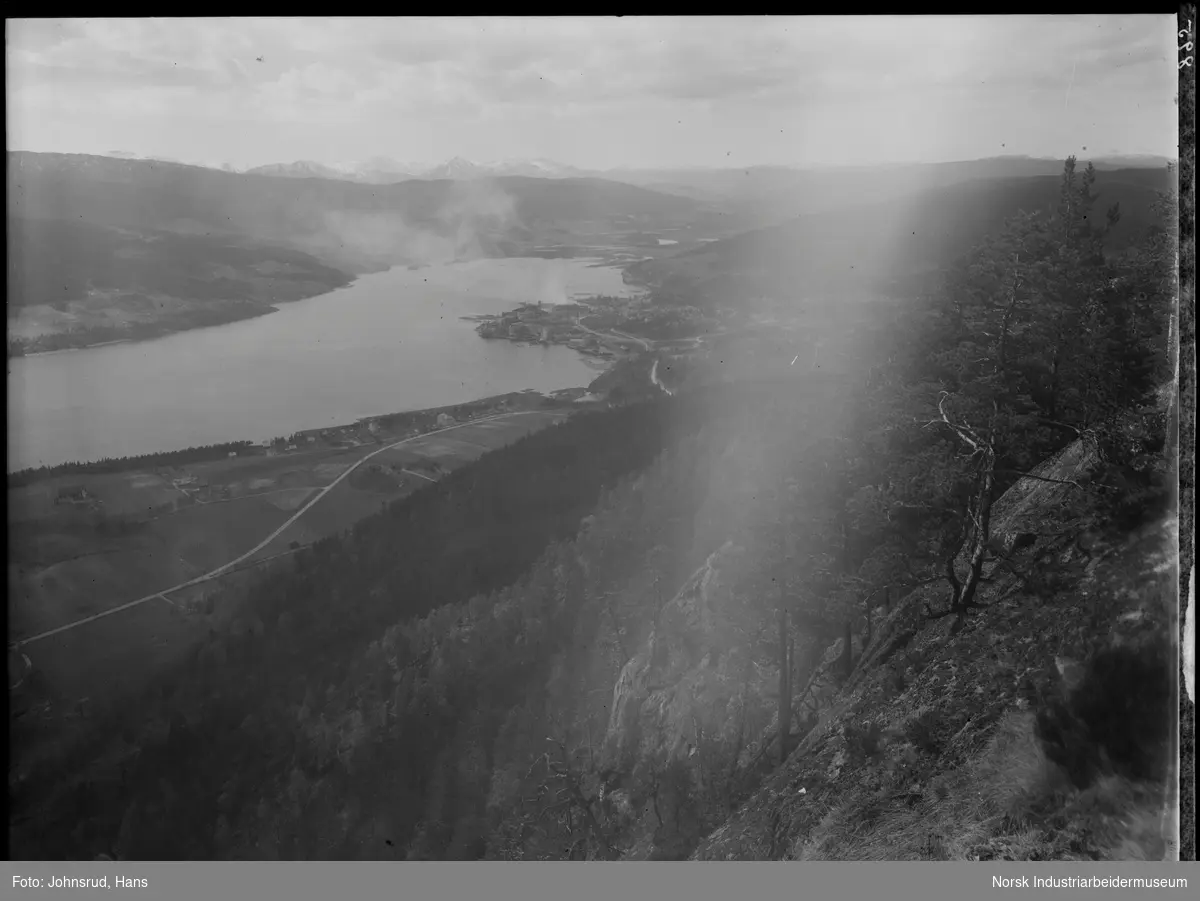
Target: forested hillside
[476,531]
[57,261]
[351,226]
[876,243]
[104,249]
[768,195]
[764,619]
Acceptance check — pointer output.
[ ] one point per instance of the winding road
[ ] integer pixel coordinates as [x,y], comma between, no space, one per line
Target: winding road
[220,570]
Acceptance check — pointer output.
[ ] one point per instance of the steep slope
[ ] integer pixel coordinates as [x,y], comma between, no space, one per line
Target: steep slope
[980,744]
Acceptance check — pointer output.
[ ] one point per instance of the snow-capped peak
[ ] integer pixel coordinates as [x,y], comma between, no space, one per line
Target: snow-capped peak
[380,169]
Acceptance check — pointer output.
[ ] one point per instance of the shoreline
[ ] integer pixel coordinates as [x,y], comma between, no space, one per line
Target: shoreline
[597,361]
[65,350]
[166,328]
[510,402]
[152,331]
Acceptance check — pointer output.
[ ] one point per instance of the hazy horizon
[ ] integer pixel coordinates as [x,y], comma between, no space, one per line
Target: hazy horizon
[596,93]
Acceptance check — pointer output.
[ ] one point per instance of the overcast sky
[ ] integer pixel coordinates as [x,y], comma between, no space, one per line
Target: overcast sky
[595,92]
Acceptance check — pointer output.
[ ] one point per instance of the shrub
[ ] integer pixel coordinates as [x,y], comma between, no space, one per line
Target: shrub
[864,741]
[1115,721]
[922,731]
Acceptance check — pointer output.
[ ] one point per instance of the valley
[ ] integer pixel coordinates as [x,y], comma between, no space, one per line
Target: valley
[753,581]
[114,577]
[574,439]
[198,247]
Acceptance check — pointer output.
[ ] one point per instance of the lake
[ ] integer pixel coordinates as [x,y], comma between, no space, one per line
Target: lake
[392,341]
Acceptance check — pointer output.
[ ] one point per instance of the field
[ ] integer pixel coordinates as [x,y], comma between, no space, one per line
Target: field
[129,535]
[396,472]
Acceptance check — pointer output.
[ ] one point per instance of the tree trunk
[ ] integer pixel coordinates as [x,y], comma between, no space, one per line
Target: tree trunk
[847,660]
[785,686]
[1052,406]
[966,596]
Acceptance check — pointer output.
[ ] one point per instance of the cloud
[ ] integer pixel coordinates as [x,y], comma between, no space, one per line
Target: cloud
[134,50]
[433,79]
[314,89]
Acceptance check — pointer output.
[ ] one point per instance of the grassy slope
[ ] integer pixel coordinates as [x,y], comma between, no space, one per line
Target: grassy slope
[929,751]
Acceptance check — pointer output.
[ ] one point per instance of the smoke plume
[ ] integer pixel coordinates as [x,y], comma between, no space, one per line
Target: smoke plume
[466,225]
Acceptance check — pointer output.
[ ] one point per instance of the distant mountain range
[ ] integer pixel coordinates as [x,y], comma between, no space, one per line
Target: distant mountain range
[696,182]
[350,225]
[748,198]
[382,170]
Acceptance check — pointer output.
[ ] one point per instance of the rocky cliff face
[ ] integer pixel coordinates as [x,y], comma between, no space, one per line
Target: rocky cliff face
[681,687]
[686,708]
[694,701]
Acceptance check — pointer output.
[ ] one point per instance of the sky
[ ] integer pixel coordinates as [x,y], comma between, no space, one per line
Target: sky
[595,92]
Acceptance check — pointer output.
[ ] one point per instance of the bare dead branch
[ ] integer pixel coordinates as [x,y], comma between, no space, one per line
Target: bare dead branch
[966,434]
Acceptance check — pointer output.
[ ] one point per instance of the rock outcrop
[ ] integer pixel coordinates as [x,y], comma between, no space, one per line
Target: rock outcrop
[687,684]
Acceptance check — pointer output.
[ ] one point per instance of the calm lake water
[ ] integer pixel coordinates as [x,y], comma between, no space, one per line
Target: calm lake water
[389,342]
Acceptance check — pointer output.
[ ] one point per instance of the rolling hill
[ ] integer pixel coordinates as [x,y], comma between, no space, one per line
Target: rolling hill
[872,244]
[770,194]
[102,248]
[74,283]
[347,224]
[55,261]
